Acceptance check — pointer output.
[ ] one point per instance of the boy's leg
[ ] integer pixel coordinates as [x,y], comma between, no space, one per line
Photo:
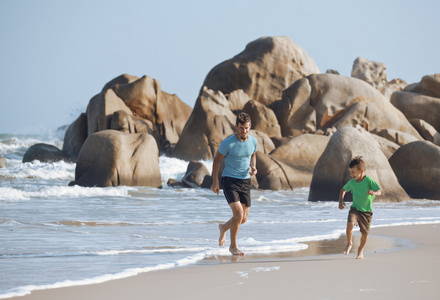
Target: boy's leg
[364,238]
[349,233]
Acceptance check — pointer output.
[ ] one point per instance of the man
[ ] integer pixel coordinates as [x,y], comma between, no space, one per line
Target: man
[239,151]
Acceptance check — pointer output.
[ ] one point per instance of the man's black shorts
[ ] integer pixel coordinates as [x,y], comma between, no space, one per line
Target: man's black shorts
[237,190]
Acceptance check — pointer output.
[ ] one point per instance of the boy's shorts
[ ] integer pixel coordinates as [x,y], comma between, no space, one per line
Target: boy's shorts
[360,218]
[237,190]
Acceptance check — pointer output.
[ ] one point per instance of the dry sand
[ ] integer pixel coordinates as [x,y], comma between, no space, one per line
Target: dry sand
[400,263]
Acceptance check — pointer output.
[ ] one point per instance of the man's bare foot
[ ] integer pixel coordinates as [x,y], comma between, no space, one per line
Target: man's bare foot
[347,250]
[360,255]
[236,251]
[222,238]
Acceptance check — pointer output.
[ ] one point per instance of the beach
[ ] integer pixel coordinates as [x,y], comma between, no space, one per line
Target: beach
[401,262]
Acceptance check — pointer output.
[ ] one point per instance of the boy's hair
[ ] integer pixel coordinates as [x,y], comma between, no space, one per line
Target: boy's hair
[243,118]
[357,162]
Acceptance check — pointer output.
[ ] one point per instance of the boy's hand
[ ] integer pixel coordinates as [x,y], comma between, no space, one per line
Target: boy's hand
[341,205]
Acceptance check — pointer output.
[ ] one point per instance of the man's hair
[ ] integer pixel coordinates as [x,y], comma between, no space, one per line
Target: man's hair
[243,118]
[357,162]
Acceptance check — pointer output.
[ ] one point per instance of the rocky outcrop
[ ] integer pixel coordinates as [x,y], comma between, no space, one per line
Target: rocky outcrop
[417,166]
[197,175]
[211,121]
[75,137]
[44,153]
[375,74]
[263,70]
[331,171]
[322,101]
[113,158]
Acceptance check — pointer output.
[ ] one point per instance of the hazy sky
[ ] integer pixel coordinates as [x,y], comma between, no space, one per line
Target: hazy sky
[56,55]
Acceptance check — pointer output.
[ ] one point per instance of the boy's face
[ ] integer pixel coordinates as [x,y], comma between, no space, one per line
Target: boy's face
[357,174]
[243,130]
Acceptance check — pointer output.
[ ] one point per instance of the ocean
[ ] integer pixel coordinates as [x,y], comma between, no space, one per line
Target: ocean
[53,235]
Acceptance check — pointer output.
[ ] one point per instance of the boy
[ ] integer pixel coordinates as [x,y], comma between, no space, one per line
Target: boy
[239,151]
[363,188]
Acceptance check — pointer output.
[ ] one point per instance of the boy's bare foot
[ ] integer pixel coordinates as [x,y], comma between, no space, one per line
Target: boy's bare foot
[236,251]
[360,255]
[222,238]
[347,250]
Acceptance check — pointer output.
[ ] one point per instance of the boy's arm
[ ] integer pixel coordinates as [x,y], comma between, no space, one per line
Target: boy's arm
[341,199]
[375,193]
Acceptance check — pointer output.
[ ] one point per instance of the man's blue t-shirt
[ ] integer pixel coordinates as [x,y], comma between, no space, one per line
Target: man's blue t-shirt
[237,156]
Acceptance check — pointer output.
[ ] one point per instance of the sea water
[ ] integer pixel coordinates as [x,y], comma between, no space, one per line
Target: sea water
[53,235]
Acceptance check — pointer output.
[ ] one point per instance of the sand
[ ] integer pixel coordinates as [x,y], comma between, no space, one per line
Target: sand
[400,263]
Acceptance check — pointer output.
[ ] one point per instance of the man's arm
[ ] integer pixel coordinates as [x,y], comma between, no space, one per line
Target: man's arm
[253,164]
[215,187]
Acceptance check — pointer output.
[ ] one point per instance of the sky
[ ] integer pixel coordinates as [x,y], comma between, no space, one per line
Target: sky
[56,55]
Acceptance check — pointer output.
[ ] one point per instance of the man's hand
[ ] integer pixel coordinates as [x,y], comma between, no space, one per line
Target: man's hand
[253,171]
[215,187]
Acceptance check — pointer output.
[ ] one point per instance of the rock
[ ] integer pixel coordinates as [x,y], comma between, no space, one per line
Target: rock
[142,97]
[100,111]
[331,71]
[75,137]
[370,71]
[388,147]
[375,74]
[331,172]
[302,152]
[174,115]
[322,101]
[417,166]
[263,119]
[211,121]
[237,100]
[263,70]
[416,106]
[124,122]
[426,130]
[195,175]
[122,79]
[113,158]
[3,163]
[276,175]
[175,183]
[428,86]
[398,137]
[265,144]
[45,153]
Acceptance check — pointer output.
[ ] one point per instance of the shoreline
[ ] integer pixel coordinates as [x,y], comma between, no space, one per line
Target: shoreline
[401,262]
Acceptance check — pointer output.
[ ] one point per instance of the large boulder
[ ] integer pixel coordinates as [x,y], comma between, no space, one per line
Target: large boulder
[417,106]
[265,144]
[302,152]
[101,108]
[263,70]
[426,130]
[428,86]
[113,158]
[75,137]
[331,172]
[321,101]
[211,121]
[197,175]
[417,166]
[276,175]
[45,153]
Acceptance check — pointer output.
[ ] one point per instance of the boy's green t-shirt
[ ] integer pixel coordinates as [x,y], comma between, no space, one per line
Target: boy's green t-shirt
[362,201]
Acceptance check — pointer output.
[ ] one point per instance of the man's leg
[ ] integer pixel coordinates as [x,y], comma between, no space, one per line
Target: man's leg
[349,233]
[240,214]
[364,238]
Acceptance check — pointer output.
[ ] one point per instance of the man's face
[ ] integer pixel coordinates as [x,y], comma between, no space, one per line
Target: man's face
[243,130]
